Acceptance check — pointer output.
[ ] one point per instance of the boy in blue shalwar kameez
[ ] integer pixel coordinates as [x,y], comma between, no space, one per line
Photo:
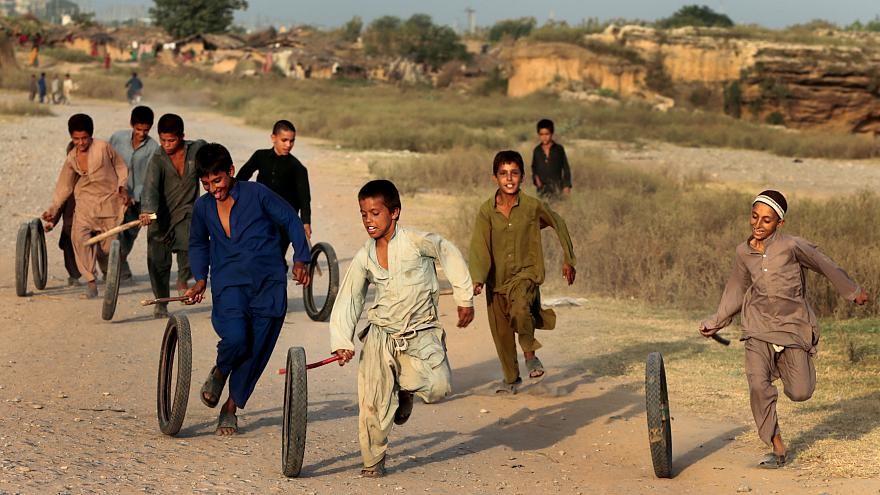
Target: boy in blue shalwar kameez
[235,232]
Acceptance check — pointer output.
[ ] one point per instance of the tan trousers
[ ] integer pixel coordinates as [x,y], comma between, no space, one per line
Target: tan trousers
[412,361]
[510,314]
[86,256]
[763,366]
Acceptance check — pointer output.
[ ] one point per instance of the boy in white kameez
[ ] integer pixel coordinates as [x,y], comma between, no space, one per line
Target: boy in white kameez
[404,346]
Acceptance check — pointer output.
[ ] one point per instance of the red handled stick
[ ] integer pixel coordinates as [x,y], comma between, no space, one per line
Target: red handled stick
[331,359]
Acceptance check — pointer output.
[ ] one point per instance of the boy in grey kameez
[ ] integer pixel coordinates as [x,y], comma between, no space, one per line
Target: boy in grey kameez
[404,349]
[780,330]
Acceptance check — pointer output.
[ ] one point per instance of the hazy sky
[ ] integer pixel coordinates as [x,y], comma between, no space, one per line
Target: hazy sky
[331,13]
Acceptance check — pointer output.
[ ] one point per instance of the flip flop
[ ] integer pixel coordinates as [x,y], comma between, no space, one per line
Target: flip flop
[404,407]
[375,471]
[508,388]
[772,461]
[212,387]
[536,369]
[227,420]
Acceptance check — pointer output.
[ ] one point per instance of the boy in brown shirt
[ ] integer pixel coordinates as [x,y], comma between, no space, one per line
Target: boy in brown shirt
[780,330]
[97,178]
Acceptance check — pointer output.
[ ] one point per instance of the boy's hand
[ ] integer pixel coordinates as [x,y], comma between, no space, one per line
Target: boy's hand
[861,299]
[478,288]
[308,228]
[566,191]
[196,292]
[47,217]
[345,355]
[568,273]
[465,316]
[145,219]
[300,273]
[705,332]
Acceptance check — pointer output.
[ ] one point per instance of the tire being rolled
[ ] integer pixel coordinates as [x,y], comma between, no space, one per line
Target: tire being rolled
[172,396]
[111,289]
[315,312]
[39,262]
[22,254]
[659,418]
[296,401]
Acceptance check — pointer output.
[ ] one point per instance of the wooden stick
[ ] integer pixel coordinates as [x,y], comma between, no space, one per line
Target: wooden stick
[148,302]
[115,230]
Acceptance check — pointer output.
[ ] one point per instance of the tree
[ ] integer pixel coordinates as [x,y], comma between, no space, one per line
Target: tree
[351,31]
[695,15]
[7,56]
[181,18]
[417,39]
[513,28]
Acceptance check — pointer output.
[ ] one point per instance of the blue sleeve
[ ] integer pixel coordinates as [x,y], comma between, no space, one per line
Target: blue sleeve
[284,216]
[199,247]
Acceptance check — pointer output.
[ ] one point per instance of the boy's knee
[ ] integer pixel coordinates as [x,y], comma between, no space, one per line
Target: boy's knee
[799,393]
[436,392]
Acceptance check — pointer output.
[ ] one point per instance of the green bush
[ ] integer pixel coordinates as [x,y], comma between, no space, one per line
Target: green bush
[775,118]
[512,28]
[695,15]
[418,39]
[733,100]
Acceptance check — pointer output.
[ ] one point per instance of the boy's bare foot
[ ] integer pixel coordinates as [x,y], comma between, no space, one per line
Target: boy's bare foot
[228,422]
[777,458]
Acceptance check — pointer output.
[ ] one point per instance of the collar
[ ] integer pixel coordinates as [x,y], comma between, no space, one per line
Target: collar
[495,198]
[767,242]
[235,190]
[143,143]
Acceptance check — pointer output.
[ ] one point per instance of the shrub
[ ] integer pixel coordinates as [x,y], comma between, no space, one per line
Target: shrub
[775,118]
[733,100]
[417,39]
[512,28]
[695,15]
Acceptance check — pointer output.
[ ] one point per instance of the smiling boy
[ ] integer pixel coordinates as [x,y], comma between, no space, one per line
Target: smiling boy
[283,173]
[506,257]
[780,330]
[404,346]
[234,233]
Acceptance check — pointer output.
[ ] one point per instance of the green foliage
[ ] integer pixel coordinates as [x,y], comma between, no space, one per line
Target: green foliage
[733,100]
[182,18]
[496,83]
[775,118]
[83,19]
[695,15]
[700,97]
[67,55]
[417,39]
[608,93]
[656,77]
[512,28]
[351,31]
[871,26]
[561,31]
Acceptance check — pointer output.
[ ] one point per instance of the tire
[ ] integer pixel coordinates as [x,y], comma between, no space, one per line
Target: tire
[39,263]
[171,405]
[326,266]
[296,401]
[659,419]
[22,253]
[111,289]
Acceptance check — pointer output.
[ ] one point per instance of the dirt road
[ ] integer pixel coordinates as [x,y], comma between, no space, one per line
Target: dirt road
[77,395]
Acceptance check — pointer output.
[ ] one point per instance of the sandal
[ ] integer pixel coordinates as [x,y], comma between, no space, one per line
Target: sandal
[375,471]
[508,388]
[227,420]
[772,461]
[536,369]
[213,388]
[404,407]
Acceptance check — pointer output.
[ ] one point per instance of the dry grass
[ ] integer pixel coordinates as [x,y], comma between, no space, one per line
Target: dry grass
[25,108]
[836,433]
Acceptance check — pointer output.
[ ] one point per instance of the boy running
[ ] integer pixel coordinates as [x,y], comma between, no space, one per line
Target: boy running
[404,346]
[171,186]
[136,147]
[283,173]
[507,258]
[779,328]
[235,234]
[96,177]
[550,171]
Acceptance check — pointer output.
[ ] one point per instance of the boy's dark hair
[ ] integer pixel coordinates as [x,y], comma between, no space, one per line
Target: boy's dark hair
[384,189]
[142,114]
[545,124]
[777,197]
[212,158]
[508,156]
[80,122]
[283,125]
[171,123]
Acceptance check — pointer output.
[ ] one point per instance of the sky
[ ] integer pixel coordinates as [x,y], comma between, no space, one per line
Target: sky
[333,13]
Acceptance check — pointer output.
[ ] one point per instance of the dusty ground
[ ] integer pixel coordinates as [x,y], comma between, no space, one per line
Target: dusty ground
[77,395]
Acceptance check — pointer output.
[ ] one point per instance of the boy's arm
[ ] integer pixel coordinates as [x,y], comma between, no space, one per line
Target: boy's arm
[731,299]
[284,216]
[480,256]
[454,266]
[349,304]
[247,170]
[199,244]
[304,192]
[549,218]
[566,170]
[152,179]
[809,256]
[67,178]
[121,171]
[535,179]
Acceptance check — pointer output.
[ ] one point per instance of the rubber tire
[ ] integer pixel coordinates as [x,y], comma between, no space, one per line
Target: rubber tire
[39,263]
[22,253]
[296,402]
[177,339]
[322,313]
[111,288]
[659,419]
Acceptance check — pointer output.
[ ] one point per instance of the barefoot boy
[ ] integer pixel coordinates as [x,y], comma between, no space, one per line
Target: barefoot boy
[506,257]
[404,347]
[550,171]
[248,276]
[779,328]
[281,172]
[171,186]
[96,177]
